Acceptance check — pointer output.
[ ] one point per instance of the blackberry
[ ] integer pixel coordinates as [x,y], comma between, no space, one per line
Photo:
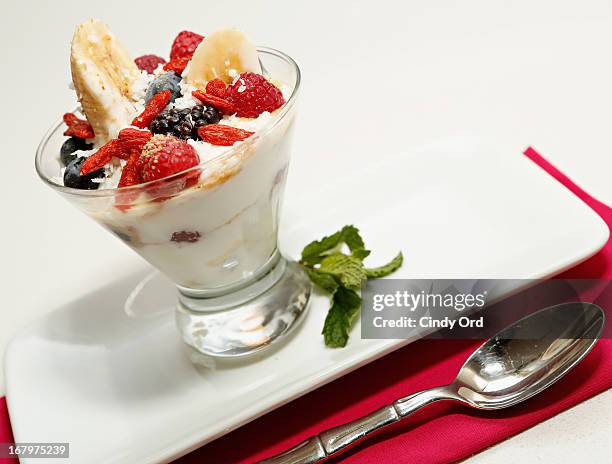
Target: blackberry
[184,123]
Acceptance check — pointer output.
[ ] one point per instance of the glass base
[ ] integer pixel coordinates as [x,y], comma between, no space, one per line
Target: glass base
[249,319]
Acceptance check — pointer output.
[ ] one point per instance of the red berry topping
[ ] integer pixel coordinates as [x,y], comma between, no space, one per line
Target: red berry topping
[149,63]
[77,127]
[185,44]
[155,106]
[220,134]
[100,158]
[217,88]
[178,65]
[252,94]
[131,171]
[133,139]
[185,236]
[165,155]
[221,104]
[127,141]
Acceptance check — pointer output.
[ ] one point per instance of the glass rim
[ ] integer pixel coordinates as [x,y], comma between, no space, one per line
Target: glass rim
[223,155]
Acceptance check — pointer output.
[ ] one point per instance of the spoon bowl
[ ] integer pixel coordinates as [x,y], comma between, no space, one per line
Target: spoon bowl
[530,355]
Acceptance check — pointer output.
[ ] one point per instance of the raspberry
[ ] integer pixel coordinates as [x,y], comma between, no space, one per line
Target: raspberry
[221,104]
[149,63]
[177,65]
[155,106]
[185,44]
[165,155]
[252,94]
[220,134]
[217,88]
[185,236]
[77,127]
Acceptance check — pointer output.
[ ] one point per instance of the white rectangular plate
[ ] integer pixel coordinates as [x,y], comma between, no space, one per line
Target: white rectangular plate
[121,389]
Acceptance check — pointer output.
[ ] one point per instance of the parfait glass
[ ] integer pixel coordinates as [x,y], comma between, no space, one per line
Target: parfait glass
[212,230]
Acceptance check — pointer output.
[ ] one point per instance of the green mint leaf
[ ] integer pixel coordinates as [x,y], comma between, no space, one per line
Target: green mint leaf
[382,271]
[361,253]
[315,251]
[350,236]
[325,281]
[348,269]
[344,308]
[312,253]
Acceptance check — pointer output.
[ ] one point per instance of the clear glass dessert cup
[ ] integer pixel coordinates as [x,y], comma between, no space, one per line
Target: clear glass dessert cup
[213,231]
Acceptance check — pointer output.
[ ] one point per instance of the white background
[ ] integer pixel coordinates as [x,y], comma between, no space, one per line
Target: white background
[379,77]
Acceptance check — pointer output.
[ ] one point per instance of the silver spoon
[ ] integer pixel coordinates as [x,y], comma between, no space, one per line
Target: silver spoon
[515,364]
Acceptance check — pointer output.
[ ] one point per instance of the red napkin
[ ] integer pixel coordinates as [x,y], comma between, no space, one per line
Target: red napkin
[6,435]
[441,433]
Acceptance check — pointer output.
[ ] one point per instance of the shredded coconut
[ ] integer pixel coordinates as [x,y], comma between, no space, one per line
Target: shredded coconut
[112,174]
[187,100]
[139,90]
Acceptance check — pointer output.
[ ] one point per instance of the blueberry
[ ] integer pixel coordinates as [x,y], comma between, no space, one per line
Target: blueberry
[70,146]
[74,179]
[166,81]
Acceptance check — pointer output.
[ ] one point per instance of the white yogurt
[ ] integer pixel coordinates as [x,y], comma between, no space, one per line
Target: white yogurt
[233,209]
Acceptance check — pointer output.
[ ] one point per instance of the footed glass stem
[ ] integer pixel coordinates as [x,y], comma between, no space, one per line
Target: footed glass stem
[248,320]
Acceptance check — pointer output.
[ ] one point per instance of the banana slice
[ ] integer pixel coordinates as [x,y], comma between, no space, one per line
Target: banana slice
[223,54]
[103,74]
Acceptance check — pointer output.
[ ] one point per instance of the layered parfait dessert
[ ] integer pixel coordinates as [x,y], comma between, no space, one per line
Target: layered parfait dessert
[183,159]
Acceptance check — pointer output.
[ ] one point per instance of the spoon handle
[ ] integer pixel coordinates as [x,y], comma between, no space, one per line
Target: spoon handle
[334,441]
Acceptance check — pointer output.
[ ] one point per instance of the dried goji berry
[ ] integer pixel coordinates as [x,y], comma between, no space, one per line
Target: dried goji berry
[220,134]
[100,158]
[133,139]
[177,65]
[127,141]
[221,104]
[131,171]
[155,106]
[77,127]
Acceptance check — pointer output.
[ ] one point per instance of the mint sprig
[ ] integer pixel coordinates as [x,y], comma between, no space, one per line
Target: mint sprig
[389,268]
[314,252]
[342,275]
